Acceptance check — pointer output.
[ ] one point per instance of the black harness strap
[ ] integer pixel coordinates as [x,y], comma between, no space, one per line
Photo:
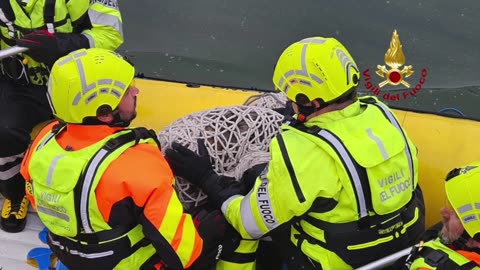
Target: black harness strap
[291,171]
[441,261]
[240,258]
[134,135]
[49,15]
[367,228]
[364,221]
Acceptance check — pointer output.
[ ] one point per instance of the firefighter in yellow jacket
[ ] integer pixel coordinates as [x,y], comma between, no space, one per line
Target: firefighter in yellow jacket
[458,244]
[105,192]
[343,175]
[49,29]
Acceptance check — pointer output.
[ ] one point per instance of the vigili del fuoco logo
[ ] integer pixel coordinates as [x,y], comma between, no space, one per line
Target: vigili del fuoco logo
[395,74]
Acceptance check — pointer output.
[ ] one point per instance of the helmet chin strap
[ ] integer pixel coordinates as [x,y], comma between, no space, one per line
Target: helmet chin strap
[305,111]
[461,242]
[118,121]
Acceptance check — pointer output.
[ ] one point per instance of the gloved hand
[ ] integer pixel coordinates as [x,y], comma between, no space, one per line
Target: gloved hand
[212,228]
[286,111]
[250,176]
[43,46]
[195,168]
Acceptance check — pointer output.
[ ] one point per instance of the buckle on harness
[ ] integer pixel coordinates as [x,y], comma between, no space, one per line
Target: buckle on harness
[436,257]
[112,144]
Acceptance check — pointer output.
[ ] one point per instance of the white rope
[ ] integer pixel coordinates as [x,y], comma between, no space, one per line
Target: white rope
[267,100]
[236,137]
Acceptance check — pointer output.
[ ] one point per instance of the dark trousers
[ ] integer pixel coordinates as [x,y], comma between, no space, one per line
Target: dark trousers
[21,109]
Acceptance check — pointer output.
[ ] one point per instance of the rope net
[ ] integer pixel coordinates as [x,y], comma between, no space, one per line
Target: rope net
[236,137]
[267,100]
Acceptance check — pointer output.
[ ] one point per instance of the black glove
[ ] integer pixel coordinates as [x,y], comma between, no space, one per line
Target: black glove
[197,169]
[212,228]
[185,163]
[219,187]
[286,111]
[42,46]
[250,176]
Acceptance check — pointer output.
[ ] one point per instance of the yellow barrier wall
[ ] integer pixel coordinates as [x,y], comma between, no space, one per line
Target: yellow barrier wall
[161,103]
[443,143]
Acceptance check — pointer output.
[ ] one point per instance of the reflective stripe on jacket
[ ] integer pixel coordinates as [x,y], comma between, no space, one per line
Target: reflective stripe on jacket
[344,174]
[131,190]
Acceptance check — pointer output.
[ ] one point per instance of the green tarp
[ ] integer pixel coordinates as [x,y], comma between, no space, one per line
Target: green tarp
[236,43]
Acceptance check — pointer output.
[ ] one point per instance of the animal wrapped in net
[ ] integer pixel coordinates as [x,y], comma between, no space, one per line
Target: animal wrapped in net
[236,137]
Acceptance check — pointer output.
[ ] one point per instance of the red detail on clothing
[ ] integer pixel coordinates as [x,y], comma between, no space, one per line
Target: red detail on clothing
[161,265]
[44,32]
[31,41]
[301,118]
[196,222]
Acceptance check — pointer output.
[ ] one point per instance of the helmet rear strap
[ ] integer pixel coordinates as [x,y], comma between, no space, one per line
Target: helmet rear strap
[318,104]
[461,242]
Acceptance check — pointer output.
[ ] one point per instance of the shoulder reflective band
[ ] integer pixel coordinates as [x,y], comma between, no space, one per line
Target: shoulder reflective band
[349,165]
[395,123]
[91,170]
[52,134]
[87,178]
[7,22]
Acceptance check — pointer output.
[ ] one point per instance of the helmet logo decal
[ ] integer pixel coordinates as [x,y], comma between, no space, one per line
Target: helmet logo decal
[394,58]
[303,71]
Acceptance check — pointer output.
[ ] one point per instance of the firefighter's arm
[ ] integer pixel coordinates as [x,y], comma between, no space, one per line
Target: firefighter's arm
[171,231]
[97,24]
[286,188]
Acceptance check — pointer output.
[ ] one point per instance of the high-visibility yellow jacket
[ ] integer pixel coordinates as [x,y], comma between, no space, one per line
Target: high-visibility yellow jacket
[77,24]
[107,198]
[347,180]
[435,255]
